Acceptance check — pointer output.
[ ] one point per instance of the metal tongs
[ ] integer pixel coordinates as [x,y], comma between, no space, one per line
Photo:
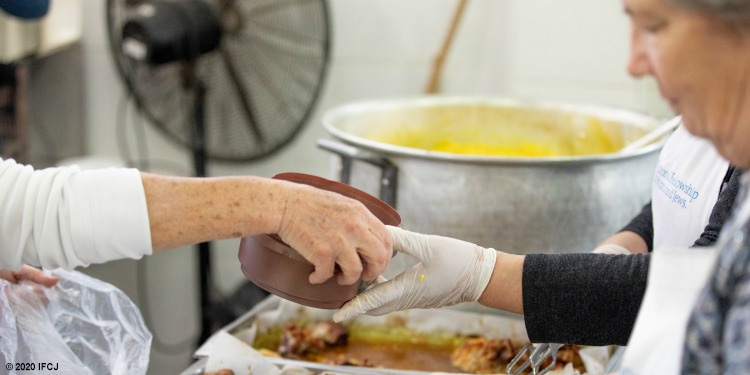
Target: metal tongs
[539,354]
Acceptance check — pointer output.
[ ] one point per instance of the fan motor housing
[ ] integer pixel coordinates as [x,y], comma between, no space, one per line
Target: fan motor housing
[167,32]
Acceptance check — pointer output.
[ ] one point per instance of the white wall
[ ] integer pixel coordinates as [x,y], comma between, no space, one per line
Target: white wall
[573,50]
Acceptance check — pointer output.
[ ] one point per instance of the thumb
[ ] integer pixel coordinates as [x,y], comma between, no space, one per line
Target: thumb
[379,297]
[411,243]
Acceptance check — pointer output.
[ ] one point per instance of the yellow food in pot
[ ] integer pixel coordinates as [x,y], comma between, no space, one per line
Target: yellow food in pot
[494,141]
[524,148]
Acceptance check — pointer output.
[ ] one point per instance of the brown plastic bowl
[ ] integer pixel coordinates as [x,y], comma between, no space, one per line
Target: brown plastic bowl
[274,266]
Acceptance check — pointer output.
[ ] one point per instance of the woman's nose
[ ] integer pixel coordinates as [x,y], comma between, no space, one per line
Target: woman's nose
[638,64]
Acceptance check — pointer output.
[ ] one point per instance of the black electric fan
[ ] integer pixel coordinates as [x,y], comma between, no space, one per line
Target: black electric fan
[231,80]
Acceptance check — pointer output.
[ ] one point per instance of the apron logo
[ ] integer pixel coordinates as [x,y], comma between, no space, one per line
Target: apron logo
[674,188]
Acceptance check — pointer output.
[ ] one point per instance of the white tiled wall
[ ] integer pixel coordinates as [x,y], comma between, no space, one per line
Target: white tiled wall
[573,50]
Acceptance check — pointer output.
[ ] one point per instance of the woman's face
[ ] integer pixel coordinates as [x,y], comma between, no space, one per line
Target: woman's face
[702,66]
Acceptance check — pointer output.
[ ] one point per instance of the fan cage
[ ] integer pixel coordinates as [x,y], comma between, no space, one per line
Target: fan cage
[280,115]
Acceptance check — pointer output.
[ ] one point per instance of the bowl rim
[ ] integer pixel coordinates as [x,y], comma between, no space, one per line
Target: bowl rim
[345,190]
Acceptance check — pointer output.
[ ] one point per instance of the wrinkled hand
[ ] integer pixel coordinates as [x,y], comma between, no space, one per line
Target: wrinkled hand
[328,229]
[449,271]
[31,274]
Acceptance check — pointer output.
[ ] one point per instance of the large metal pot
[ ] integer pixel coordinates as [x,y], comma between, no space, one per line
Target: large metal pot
[514,204]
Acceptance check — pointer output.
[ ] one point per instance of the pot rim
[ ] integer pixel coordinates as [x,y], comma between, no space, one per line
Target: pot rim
[333,115]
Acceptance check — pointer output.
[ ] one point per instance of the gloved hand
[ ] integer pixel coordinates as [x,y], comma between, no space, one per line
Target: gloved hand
[611,249]
[449,271]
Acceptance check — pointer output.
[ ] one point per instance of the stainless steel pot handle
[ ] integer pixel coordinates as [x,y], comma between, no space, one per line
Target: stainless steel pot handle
[389,172]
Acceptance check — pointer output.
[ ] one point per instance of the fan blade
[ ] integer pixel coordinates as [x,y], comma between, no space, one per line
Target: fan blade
[294,67]
[267,68]
[242,92]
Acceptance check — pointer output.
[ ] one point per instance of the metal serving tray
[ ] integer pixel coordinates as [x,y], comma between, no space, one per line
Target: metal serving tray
[272,302]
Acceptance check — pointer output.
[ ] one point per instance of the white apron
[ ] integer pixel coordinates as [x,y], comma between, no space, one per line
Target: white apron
[675,279]
[685,188]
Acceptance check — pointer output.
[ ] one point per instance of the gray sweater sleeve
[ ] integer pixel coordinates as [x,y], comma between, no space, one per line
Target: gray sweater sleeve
[722,209]
[588,299]
[643,225]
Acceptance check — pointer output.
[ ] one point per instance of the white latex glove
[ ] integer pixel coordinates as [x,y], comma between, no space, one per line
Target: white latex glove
[611,249]
[449,271]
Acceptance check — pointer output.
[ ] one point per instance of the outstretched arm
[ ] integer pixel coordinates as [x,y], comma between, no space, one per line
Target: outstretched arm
[325,227]
[65,217]
[566,298]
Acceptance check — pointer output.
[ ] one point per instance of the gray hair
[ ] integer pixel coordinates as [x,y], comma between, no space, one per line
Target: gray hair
[730,10]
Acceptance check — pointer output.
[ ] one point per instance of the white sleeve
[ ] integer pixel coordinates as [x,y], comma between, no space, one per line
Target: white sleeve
[65,217]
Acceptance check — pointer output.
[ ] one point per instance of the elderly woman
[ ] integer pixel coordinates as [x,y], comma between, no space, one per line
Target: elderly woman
[699,52]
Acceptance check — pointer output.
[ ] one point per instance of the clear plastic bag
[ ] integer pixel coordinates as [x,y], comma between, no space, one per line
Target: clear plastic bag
[80,326]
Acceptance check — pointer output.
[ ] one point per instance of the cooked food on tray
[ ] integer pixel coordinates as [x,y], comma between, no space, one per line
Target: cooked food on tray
[491,356]
[395,348]
[298,342]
